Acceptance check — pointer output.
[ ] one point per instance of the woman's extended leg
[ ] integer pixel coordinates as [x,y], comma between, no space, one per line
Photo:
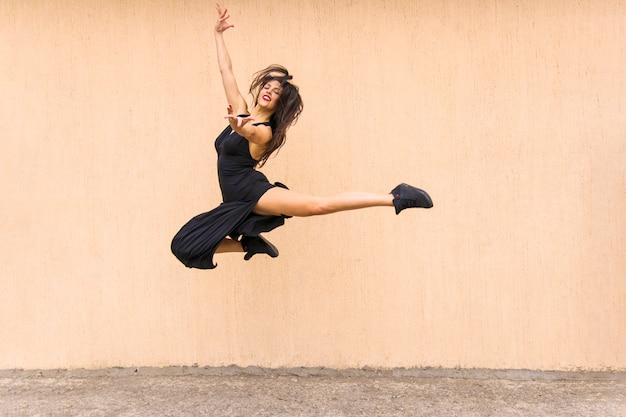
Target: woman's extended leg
[279,201]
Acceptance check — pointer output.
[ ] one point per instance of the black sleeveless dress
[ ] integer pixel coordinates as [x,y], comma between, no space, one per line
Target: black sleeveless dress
[242,186]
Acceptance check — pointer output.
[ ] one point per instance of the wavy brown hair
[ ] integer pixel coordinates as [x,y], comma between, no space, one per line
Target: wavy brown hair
[288,107]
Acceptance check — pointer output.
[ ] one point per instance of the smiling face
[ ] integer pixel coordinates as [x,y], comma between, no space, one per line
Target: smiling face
[269,95]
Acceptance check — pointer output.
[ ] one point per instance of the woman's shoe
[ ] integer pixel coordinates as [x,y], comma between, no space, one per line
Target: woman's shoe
[257,244]
[406,196]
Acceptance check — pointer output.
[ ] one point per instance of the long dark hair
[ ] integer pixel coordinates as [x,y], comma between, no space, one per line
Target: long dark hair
[288,107]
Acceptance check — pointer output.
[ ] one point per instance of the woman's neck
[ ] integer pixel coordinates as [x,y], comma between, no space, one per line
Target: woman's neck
[260,115]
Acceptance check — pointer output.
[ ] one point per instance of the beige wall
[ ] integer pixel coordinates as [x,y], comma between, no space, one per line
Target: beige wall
[511,114]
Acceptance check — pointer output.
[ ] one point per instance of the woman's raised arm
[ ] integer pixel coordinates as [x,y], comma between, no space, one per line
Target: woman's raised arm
[233,95]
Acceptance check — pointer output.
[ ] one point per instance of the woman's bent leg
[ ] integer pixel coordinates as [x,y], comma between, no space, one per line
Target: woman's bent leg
[229,245]
[279,201]
[249,244]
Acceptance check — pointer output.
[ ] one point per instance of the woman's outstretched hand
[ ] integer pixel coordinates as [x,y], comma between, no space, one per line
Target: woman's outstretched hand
[241,120]
[221,25]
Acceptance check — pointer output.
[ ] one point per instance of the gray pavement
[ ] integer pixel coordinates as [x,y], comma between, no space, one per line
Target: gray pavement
[243,392]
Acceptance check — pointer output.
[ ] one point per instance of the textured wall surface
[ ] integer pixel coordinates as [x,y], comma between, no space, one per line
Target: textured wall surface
[511,114]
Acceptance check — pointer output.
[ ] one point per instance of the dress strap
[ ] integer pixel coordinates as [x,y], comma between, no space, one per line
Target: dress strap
[255,124]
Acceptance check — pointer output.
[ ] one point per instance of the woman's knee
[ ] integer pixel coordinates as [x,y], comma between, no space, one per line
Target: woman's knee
[307,206]
[292,204]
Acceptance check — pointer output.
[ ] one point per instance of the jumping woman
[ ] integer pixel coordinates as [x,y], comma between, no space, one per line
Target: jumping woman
[251,205]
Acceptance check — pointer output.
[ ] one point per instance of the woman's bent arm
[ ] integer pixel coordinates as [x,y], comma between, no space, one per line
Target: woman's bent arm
[243,125]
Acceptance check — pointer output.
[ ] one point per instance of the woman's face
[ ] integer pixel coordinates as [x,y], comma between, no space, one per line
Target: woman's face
[269,95]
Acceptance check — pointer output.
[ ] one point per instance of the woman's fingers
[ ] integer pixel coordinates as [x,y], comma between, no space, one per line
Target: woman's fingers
[222,18]
[241,120]
[223,13]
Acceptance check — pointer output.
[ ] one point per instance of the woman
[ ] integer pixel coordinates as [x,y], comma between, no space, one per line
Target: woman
[251,205]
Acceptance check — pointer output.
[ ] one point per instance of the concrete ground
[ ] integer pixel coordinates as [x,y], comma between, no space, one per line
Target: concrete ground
[239,392]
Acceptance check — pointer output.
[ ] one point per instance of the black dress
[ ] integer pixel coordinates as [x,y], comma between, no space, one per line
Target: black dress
[242,186]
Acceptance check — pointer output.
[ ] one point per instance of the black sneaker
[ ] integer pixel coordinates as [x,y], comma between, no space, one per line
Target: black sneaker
[257,244]
[406,196]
